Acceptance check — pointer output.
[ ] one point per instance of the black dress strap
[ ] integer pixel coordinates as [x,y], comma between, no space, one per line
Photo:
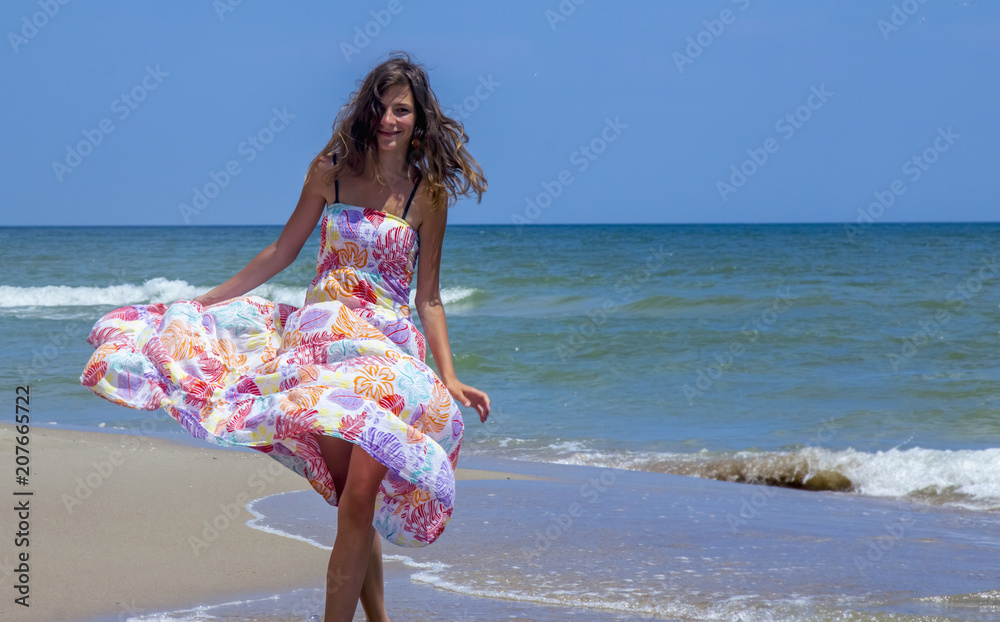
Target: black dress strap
[407,208]
[336,184]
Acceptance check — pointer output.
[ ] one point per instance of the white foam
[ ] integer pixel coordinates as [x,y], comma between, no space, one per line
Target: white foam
[159,290]
[735,608]
[973,474]
[449,295]
[200,613]
[153,290]
[568,446]
[614,599]
[257,522]
[619,600]
[967,478]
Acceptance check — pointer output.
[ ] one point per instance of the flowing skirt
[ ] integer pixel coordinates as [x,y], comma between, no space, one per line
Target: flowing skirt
[269,376]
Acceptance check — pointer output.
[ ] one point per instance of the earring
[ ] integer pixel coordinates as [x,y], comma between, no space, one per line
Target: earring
[415,143]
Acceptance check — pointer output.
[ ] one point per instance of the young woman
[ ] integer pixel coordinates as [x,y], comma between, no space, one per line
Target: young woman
[336,390]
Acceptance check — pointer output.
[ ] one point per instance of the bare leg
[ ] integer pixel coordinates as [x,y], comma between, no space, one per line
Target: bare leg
[337,455]
[356,539]
[372,590]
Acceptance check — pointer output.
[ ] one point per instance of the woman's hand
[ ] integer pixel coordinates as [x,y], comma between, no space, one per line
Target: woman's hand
[470,396]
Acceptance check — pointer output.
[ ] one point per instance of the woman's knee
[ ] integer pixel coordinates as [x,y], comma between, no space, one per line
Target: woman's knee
[363,480]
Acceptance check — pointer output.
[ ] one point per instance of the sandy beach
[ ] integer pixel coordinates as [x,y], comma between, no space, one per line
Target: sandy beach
[122,524]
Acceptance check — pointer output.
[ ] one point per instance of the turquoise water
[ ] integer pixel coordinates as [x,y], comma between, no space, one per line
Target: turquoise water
[741,352]
[802,356]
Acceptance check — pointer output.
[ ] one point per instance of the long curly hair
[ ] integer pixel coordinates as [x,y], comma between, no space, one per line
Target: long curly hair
[437,154]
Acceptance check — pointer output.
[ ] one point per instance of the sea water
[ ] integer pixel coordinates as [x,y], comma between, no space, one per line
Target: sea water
[861,363]
[593,543]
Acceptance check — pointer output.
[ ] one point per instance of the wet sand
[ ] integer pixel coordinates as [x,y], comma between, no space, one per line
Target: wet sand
[122,524]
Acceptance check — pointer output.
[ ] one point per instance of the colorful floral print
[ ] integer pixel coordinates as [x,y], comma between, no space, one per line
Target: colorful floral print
[349,363]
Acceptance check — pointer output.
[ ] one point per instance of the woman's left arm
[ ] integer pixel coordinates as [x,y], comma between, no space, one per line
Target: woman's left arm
[431,311]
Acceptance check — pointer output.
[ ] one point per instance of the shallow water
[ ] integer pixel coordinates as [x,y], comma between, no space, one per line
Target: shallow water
[593,543]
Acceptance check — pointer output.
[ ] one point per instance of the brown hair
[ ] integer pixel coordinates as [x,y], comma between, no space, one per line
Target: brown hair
[439,156]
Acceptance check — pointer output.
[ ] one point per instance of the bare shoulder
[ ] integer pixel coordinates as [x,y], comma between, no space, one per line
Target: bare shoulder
[324,163]
[316,177]
[432,221]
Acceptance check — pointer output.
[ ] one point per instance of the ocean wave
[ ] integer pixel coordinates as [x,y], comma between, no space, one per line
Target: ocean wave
[153,290]
[451,295]
[157,290]
[967,479]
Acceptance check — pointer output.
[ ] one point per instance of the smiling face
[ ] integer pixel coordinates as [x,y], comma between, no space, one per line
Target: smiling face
[395,128]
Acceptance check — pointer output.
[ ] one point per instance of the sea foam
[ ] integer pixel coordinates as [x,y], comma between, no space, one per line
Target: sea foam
[158,290]
[968,479]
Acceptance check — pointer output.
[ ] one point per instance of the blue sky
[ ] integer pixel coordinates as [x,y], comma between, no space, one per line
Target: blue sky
[726,111]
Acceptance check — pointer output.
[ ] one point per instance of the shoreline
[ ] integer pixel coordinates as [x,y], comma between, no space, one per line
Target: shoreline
[104,542]
[105,545]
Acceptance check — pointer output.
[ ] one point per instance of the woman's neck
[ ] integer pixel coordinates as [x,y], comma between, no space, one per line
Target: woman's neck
[394,164]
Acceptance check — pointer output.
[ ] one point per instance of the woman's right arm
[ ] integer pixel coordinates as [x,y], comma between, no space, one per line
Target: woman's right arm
[281,253]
